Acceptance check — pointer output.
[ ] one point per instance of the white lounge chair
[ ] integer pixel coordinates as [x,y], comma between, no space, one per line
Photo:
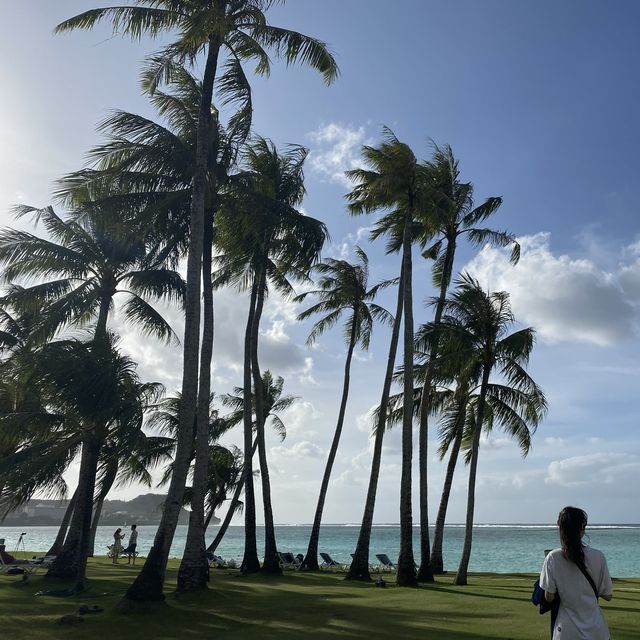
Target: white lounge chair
[24,568]
[216,561]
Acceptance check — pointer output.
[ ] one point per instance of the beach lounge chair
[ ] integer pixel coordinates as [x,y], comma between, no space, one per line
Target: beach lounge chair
[329,562]
[288,560]
[216,561]
[385,563]
[21,567]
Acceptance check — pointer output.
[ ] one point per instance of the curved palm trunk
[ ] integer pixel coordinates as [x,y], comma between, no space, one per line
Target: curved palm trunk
[147,587]
[437,563]
[271,563]
[359,569]
[56,547]
[107,483]
[311,559]
[71,562]
[235,501]
[406,574]
[425,571]
[194,568]
[461,576]
[250,562]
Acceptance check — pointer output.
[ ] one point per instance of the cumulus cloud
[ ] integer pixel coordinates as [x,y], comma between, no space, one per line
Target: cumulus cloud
[335,149]
[301,418]
[565,299]
[597,468]
[303,449]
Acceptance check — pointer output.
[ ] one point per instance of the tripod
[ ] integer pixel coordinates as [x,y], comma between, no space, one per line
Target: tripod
[20,544]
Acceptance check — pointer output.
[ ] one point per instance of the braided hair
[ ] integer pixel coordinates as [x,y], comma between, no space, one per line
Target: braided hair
[572,522]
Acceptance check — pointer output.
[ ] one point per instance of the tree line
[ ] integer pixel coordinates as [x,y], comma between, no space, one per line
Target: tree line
[197,186]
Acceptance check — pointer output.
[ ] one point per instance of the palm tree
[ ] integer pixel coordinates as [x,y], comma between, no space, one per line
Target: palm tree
[204,27]
[475,338]
[265,240]
[274,404]
[396,180]
[129,456]
[21,405]
[149,168]
[93,389]
[94,261]
[87,263]
[343,288]
[451,215]
[359,569]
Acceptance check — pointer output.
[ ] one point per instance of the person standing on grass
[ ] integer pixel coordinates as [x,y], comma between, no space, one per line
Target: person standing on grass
[131,547]
[117,545]
[578,575]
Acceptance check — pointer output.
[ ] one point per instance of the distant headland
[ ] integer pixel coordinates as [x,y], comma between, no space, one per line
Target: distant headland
[143,509]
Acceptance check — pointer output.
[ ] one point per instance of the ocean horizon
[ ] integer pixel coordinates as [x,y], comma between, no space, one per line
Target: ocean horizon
[497,548]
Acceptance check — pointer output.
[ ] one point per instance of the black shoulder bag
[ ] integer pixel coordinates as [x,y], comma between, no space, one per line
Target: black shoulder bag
[586,574]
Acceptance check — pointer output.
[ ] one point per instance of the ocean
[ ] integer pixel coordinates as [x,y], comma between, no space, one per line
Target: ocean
[503,548]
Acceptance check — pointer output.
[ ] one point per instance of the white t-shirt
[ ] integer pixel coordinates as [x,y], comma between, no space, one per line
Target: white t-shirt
[133,537]
[579,615]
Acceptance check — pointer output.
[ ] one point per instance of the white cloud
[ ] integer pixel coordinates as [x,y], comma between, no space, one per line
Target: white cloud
[596,468]
[335,149]
[555,442]
[300,418]
[303,449]
[565,299]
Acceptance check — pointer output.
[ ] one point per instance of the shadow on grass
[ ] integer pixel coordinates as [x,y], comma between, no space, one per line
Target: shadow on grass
[294,606]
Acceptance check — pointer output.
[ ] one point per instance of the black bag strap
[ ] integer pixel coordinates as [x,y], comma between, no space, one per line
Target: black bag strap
[586,574]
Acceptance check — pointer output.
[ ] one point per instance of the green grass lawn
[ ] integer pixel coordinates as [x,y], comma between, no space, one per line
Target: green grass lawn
[298,606]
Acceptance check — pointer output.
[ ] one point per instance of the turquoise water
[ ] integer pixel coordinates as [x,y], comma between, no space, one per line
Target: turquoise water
[496,548]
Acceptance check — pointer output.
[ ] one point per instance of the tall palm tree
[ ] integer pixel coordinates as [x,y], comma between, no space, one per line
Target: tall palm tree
[149,168]
[266,241]
[274,404]
[359,569]
[395,180]
[95,260]
[204,28]
[451,215]
[343,288]
[474,332]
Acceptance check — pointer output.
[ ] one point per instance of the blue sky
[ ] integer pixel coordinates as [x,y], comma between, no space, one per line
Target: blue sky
[539,102]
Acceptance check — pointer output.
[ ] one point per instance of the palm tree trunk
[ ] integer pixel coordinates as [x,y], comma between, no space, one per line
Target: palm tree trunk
[359,569]
[250,562]
[194,568]
[235,501]
[406,574]
[437,563]
[107,483]
[71,562]
[425,571]
[147,587]
[56,547]
[461,576]
[271,563]
[311,559]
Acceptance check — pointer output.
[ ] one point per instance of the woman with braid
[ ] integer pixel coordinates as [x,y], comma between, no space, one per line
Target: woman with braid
[578,575]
